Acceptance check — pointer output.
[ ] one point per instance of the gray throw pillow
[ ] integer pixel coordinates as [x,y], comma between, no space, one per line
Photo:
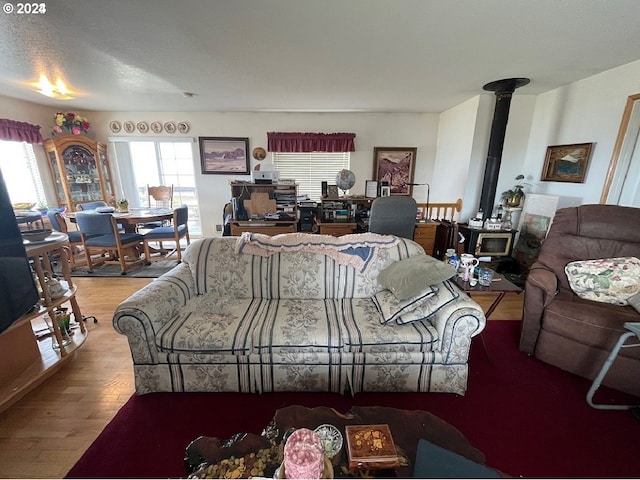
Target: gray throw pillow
[634,301]
[408,277]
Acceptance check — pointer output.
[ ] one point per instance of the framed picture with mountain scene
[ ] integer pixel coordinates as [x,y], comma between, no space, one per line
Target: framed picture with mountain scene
[224,155]
[395,165]
[566,163]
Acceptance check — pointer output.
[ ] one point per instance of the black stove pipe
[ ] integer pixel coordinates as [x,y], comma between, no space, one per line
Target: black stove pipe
[504,90]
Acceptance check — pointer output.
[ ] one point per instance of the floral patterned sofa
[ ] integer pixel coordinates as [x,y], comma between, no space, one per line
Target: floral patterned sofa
[301,312]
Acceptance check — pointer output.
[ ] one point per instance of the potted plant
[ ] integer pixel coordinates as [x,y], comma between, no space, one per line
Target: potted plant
[123,205]
[513,196]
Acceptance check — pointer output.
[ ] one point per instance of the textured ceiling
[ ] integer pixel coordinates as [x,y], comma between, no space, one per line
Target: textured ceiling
[303,55]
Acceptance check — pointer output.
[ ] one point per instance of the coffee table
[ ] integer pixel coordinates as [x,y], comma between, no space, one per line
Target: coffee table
[407,427]
[499,285]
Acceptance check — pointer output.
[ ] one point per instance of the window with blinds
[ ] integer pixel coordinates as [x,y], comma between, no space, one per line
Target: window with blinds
[310,169]
[21,174]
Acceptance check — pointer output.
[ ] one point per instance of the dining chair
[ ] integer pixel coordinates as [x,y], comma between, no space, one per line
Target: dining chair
[91,205]
[395,215]
[175,232]
[99,233]
[59,224]
[160,196]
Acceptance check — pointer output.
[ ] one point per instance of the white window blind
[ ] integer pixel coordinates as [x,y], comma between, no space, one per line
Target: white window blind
[21,174]
[309,170]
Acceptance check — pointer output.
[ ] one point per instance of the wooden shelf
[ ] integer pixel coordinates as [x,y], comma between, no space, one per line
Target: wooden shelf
[40,369]
[28,362]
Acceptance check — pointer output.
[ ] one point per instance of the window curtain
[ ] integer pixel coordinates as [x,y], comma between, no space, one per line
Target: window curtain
[294,142]
[14,131]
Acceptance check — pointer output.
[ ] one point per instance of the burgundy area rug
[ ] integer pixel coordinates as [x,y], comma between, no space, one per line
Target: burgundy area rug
[529,419]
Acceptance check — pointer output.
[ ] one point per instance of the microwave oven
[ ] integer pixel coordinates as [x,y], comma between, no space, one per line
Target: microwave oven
[487,243]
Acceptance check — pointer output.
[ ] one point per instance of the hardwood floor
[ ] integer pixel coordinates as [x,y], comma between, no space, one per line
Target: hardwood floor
[46,432]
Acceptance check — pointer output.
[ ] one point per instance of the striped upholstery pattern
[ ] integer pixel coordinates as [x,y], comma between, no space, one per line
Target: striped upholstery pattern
[291,321]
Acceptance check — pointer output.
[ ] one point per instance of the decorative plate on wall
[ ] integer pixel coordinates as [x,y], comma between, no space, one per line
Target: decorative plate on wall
[129,127]
[183,127]
[143,127]
[169,127]
[115,126]
[259,153]
[156,127]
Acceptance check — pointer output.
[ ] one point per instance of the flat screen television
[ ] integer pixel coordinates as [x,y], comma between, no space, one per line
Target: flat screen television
[18,292]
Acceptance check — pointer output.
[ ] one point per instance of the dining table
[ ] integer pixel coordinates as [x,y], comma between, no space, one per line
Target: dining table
[133,217]
[29,218]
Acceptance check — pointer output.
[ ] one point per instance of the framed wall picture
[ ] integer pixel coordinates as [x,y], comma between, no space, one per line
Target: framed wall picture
[566,163]
[396,166]
[370,188]
[224,155]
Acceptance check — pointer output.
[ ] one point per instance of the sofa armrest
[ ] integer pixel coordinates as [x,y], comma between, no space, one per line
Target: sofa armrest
[457,323]
[540,289]
[140,316]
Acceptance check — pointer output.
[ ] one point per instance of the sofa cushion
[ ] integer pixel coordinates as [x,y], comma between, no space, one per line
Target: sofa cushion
[218,269]
[208,326]
[594,324]
[420,307]
[409,277]
[446,293]
[363,331]
[390,307]
[297,325]
[609,280]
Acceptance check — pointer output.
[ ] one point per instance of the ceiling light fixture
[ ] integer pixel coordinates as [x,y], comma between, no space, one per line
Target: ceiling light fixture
[188,94]
[59,91]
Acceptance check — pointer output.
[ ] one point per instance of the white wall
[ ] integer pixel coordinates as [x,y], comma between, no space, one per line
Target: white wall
[586,111]
[455,143]
[452,146]
[371,129]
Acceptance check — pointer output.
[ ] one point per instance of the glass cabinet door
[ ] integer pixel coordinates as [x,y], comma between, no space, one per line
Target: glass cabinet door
[58,185]
[82,174]
[79,169]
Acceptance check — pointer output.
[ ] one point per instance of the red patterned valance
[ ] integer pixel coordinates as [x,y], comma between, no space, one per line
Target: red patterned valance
[310,142]
[19,131]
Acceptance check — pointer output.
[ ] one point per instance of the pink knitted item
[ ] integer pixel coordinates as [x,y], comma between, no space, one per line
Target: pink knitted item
[304,455]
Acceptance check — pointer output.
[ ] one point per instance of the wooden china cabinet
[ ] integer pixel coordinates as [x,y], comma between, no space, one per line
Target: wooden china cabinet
[80,170]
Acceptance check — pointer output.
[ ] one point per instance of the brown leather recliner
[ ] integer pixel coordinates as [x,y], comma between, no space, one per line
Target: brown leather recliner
[560,328]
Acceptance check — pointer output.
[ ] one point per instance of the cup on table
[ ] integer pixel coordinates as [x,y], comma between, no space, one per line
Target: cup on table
[485,276]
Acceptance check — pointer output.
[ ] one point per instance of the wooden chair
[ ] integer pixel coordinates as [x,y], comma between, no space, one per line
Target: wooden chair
[175,232]
[160,196]
[99,233]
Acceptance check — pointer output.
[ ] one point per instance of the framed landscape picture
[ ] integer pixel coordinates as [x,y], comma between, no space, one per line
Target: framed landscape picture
[396,166]
[224,155]
[566,163]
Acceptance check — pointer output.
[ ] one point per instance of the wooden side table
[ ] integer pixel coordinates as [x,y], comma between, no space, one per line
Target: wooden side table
[499,285]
